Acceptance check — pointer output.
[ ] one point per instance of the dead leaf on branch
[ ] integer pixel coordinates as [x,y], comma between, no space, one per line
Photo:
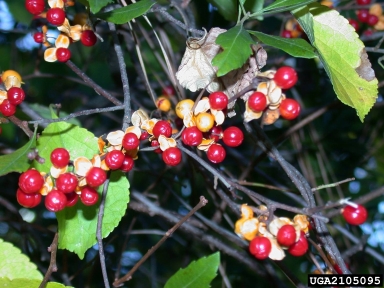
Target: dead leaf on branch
[197,72]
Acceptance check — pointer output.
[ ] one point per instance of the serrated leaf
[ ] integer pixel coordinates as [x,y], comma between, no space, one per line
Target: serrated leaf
[28,283]
[343,56]
[296,47]
[236,43]
[96,5]
[17,161]
[227,8]
[78,141]
[14,264]
[77,224]
[127,13]
[198,274]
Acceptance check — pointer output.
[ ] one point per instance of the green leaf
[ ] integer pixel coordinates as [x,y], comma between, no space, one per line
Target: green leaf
[281,6]
[254,6]
[198,274]
[343,56]
[236,43]
[96,5]
[14,264]
[295,47]
[17,161]
[127,13]
[78,141]
[227,8]
[27,283]
[77,224]
[45,113]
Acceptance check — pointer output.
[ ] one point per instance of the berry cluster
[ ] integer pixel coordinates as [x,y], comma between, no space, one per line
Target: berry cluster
[61,187]
[367,17]
[271,240]
[11,93]
[56,16]
[269,101]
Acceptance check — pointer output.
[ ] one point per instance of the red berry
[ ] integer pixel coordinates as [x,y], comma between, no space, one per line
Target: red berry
[15,95]
[285,77]
[354,24]
[7,109]
[29,200]
[155,143]
[363,2]
[362,15]
[56,16]
[144,135]
[355,216]
[89,196]
[172,156]
[192,136]
[218,100]
[260,247]
[59,157]
[35,6]
[67,182]
[162,127]
[38,37]
[31,181]
[95,177]
[55,200]
[286,235]
[257,101]
[128,163]
[72,199]
[289,109]
[88,38]
[300,247]
[168,90]
[114,159]
[63,54]
[233,136]
[216,133]
[216,153]
[130,141]
[286,34]
[372,20]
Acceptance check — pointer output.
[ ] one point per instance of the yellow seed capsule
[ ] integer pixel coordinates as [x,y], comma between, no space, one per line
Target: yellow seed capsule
[184,107]
[205,121]
[8,73]
[163,104]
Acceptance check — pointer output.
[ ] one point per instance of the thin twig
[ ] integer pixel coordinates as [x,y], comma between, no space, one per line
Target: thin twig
[52,264]
[78,114]
[99,234]
[22,124]
[124,77]
[332,184]
[99,90]
[128,276]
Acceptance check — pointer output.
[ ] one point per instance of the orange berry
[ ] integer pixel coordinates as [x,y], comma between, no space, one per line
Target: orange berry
[163,104]
[184,107]
[205,121]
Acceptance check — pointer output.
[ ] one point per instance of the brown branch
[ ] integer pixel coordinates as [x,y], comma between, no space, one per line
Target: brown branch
[22,124]
[99,90]
[52,264]
[128,276]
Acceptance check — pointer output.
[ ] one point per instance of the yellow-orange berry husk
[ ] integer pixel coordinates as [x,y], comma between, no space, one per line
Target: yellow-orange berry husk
[376,10]
[80,19]
[163,104]
[205,121]
[295,33]
[8,73]
[184,107]
[327,3]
